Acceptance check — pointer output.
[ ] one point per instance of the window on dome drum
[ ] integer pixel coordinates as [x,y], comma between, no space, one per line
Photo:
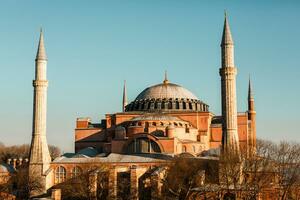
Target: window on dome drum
[60,174]
[183,148]
[143,145]
[177,105]
[76,171]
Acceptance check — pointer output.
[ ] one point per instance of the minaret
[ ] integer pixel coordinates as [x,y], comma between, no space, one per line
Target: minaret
[39,158]
[228,71]
[252,119]
[124,102]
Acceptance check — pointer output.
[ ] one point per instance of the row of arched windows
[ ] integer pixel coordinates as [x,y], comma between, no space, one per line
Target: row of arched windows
[61,173]
[150,105]
[135,123]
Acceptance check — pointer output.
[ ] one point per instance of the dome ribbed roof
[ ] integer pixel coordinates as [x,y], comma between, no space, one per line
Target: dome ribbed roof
[166,91]
[166,97]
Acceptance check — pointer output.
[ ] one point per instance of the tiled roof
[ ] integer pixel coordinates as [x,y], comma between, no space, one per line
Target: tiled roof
[116,158]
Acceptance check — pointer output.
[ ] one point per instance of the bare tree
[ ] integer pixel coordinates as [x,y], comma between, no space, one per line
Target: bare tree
[54,151]
[20,185]
[91,184]
[184,174]
[287,158]
[275,169]
[22,151]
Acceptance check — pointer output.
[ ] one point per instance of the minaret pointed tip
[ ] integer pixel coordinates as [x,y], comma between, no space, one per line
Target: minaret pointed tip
[41,52]
[250,91]
[226,37]
[124,97]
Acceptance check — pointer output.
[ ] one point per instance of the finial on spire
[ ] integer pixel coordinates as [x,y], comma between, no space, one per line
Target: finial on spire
[166,81]
[41,52]
[124,97]
[227,37]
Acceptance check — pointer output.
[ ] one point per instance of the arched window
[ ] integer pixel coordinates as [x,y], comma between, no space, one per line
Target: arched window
[60,174]
[143,145]
[194,149]
[76,171]
[170,105]
[183,148]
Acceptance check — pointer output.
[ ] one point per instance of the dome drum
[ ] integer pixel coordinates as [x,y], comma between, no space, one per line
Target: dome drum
[167,105]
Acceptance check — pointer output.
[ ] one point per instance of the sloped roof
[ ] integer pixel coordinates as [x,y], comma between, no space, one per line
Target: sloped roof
[116,158]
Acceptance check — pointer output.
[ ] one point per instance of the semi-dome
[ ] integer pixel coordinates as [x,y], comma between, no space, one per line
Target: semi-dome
[166,97]
[166,91]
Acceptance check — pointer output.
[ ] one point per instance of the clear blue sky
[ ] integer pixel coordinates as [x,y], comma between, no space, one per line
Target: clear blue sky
[93,46]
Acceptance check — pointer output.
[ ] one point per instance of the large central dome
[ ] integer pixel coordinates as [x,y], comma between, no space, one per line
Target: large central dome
[166,97]
[166,91]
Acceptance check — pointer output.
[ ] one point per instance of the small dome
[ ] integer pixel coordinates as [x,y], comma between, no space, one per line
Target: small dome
[5,168]
[166,91]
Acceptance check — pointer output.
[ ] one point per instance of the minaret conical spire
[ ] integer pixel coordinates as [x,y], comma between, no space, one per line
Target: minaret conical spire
[124,103]
[41,52]
[226,37]
[250,91]
[252,119]
[251,108]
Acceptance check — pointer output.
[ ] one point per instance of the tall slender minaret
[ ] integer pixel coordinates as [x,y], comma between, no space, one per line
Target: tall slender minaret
[124,102]
[228,71]
[252,119]
[39,158]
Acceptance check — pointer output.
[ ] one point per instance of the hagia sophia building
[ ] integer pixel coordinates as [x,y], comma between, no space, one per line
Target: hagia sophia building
[164,121]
